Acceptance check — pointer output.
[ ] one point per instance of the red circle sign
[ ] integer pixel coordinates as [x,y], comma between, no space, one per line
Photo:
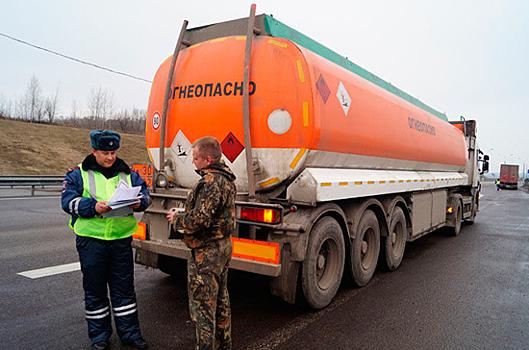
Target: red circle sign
[156,121]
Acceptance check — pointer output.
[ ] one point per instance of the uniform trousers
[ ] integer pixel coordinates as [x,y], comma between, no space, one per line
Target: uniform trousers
[209,301]
[109,263]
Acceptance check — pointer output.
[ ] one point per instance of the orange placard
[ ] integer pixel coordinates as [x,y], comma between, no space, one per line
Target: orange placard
[146,171]
[141,231]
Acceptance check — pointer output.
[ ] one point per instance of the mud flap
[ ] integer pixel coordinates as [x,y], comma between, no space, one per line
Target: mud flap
[451,217]
[144,257]
[284,285]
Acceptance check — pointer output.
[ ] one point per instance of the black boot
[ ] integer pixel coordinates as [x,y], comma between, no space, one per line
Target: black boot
[138,343]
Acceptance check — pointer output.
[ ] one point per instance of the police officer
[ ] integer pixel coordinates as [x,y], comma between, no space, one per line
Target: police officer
[103,240]
[207,224]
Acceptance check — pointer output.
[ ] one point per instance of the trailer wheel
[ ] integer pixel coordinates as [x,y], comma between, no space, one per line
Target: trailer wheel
[323,267]
[454,231]
[365,249]
[395,243]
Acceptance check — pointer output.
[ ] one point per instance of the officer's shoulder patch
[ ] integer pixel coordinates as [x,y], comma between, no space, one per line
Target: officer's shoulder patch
[73,168]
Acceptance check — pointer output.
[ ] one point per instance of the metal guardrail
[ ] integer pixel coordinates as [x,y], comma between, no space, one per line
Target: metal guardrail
[31,180]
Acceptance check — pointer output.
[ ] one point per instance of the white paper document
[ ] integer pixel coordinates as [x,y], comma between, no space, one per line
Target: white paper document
[124,196]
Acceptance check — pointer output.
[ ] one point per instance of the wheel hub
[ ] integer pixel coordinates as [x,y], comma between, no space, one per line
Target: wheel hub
[393,237]
[321,261]
[364,247]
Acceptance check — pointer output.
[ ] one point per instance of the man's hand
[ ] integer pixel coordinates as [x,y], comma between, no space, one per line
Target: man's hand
[171,213]
[135,206]
[102,207]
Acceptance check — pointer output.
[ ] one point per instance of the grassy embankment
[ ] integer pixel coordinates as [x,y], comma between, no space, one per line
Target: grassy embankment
[39,149]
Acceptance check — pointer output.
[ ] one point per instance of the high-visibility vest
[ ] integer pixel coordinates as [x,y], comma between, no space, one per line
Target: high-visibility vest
[97,186]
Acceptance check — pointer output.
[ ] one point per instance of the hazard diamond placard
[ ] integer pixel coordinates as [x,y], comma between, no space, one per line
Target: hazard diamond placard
[231,147]
[344,98]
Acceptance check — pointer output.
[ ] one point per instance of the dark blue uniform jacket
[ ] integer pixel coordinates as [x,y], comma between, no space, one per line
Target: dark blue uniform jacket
[73,187]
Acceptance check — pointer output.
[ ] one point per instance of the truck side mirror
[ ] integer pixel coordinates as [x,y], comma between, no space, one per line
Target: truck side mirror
[485,166]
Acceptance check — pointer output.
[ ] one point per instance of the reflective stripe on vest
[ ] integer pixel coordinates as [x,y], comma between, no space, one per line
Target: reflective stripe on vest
[96,186]
[92,188]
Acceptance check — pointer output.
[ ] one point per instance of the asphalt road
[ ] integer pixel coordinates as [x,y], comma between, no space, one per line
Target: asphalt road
[465,292]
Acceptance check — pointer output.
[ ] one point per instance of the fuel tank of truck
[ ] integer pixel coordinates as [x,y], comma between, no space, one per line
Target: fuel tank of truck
[305,111]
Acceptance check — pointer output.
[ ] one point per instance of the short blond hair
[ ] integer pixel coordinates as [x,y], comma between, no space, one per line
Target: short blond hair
[208,146]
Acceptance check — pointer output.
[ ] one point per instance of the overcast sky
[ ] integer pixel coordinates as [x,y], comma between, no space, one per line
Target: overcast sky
[461,57]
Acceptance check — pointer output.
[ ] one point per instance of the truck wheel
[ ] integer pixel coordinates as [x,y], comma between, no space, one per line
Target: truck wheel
[395,243]
[365,249]
[172,266]
[323,267]
[454,231]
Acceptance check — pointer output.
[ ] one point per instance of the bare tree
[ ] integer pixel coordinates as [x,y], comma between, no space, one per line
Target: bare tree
[32,101]
[100,106]
[75,114]
[128,121]
[21,112]
[139,116]
[51,106]
[123,120]
[6,107]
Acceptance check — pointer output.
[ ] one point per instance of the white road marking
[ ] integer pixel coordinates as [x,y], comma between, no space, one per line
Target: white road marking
[50,271]
[522,224]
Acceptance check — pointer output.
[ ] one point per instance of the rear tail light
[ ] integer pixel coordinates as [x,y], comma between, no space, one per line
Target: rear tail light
[264,215]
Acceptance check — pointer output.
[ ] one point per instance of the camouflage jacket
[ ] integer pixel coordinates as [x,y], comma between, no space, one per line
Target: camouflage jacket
[210,207]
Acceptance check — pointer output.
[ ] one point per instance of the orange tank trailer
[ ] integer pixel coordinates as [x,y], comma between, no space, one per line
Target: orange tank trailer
[304,109]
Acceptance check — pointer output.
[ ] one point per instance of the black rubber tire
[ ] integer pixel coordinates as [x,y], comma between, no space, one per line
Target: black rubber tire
[323,266]
[458,212]
[395,243]
[172,266]
[365,249]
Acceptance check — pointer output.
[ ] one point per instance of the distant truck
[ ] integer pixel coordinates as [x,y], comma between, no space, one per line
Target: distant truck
[509,176]
[335,167]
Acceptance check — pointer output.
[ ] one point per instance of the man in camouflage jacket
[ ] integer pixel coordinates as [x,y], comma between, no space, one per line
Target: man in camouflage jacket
[207,224]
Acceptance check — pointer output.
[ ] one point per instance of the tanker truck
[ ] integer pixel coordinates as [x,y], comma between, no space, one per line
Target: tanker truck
[336,168]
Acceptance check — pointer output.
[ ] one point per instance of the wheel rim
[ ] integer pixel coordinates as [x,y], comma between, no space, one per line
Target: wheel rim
[327,263]
[397,238]
[368,251]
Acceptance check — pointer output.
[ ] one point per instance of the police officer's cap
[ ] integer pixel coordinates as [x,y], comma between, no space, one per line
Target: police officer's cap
[105,140]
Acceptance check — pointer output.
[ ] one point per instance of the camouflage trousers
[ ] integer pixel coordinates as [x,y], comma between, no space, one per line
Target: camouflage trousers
[209,301]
